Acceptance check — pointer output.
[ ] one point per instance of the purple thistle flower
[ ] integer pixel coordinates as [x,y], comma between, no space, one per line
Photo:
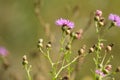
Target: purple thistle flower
[3,51]
[100,73]
[63,22]
[115,18]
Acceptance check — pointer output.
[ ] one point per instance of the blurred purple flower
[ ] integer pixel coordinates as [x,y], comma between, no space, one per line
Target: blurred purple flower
[3,51]
[100,73]
[63,22]
[115,18]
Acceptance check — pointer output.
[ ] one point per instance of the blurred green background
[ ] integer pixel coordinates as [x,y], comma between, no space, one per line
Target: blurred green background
[23,22]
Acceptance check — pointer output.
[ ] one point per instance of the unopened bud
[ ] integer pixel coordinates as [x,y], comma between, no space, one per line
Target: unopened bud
[78,34]
[118,69]
[65,78]
[24,57]
[101,21]
[101,45]
[108,48]
[40,41]
[68,31]
[98,13]
[68,46]
[25,62]
[40,44]
[96,18]
[91,50]
[81,51]
[108,67]
[48,45]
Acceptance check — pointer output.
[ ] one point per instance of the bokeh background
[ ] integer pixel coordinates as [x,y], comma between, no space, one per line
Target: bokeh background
[23,22]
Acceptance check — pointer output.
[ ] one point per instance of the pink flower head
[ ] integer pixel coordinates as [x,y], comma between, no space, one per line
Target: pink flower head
[100,73]
[63,22]
[98,13]
[115,18]
[108,67]
[79,34]
[3,51]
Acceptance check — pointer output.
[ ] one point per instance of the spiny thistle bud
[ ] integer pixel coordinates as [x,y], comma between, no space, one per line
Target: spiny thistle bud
[40,44]
[98,14]
[101,21]
[91,50]
[65,78]
[78,34]
[68,31]
[108,67]
[24,62]
[96,18]
[40,41]
[118,69]
[24,57]
[48,45]
[101,45]
[82,50]
[109,47]
[68,46]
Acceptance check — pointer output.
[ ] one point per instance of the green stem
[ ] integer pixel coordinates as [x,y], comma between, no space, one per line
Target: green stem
[62,41]
[52,65]
[48,56]
[28,72]
[96,25]
[63,67]
[103,58]
[97,61]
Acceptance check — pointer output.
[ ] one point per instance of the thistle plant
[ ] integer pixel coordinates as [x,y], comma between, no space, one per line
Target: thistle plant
[65,50]
[103,68]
